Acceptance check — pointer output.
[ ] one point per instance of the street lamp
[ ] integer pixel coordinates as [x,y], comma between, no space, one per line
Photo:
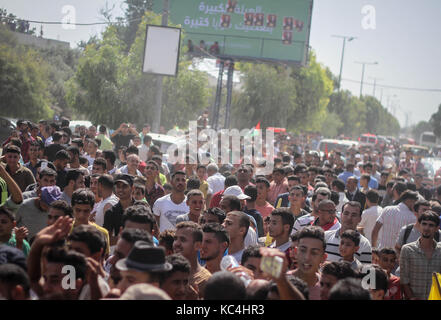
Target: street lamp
[342,55]
[362,74]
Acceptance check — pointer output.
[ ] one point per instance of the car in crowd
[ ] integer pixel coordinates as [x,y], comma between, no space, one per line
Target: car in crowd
[335,145]
[7,125]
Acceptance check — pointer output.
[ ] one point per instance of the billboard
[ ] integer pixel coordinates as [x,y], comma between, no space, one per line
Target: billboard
[269,30]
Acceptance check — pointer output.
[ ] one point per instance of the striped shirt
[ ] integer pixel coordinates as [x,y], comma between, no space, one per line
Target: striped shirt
[302,222]
[364,253]
[393,218]
[416,270]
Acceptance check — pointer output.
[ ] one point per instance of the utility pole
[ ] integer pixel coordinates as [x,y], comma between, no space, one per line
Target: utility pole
[375,83]
[362,74]
[342,56]
[156,122]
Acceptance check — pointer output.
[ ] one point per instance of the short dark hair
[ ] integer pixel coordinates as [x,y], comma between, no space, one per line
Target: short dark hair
[62,155]
[132,235]
[352,235]
[131,150]
[10,148]
[73,174]
[83,196]
[109,155]
[174,174]
[302,188]
[139,214]
[400,187]
[196,230]
[286,215]
[47,172]
[366,177]
[339,269]
[230,181]
[263,180]
[339,184]
[300,284]
[349,289]
[252,251]
[68,257]
[421,203]
[429,215]
[387,250]
[89,235]
[224,285]
[62,206]
[78,142]
[179,264]
[373,196]
[352,204]
[101,162]
[106,180]
[233,202]
[75,151]
[13,275]
[251,191]
[193,184]
[218,212]
[219,231]
[166,239]
[146,138]
[313,232]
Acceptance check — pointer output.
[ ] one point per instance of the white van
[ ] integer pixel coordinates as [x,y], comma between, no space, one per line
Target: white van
[337,145]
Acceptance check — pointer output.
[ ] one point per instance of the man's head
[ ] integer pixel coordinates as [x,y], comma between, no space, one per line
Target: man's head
[224,285]
[110,157]
[352,183]
[262,185]
[281,223]
[14,282]
[243,174]
[230,203]
[87,240]
[310,251]
[212,169]
[215,241]
[379,287]
[372,198]
[297,195]
[47,177]
[62,158]
[123,186]
[176,281]
[331,272]
[58,208]
[74,179]
[350,215]
[326,212]
[178,182]
[144,264]
[319,195]
[56,259]
[349,289]
[420,207]
[251,259]
[82,202]
[7,224]
[338,185]
[139,217]
[387,259]
[278,175]
[398,189]
[99,166]
[429,222]
[236,223]
[349,244]
[12,155]
[212,215]
[195,201]
[188,239]
[409,198]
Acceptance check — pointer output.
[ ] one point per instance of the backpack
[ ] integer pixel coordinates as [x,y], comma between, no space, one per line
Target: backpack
[409,230]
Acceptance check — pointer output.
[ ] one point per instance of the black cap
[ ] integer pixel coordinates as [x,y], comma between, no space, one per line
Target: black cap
[126,178]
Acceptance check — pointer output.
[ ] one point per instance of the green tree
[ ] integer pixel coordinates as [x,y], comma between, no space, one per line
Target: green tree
[23,83]
[435,121]
[110,87]
[421,127]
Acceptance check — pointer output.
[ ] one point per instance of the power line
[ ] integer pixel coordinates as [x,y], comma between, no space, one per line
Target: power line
[69,23]
[396,87]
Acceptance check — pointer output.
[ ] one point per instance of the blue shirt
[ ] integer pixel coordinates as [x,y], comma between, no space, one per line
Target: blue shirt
[373,183]
[345,175]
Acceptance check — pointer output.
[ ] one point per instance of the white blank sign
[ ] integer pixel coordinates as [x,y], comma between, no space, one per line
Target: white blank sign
[161,53]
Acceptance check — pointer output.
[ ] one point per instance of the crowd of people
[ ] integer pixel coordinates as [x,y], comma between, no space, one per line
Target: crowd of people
[128,224]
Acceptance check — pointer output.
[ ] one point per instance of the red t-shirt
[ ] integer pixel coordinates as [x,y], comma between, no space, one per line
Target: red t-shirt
[216,199]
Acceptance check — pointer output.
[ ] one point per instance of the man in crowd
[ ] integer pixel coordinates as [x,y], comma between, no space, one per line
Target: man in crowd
[215,242]
[22,175]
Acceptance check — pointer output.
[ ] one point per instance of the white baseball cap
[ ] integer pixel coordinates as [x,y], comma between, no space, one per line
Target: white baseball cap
[235,191]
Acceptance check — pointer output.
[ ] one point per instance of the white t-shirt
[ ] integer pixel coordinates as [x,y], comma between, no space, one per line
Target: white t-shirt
[368,220]
[168,211]
[250,238]
[99,209]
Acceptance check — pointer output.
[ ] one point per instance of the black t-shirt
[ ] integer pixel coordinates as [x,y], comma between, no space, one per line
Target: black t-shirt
[113,218]
[61,179]
[51,150]
[258,217]
[120,140]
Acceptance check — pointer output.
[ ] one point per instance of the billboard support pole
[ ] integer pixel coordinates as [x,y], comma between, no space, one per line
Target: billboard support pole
[229,94]
[156,121]
[217,102]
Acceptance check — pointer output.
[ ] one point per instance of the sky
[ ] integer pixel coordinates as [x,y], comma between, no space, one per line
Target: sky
[402,36]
